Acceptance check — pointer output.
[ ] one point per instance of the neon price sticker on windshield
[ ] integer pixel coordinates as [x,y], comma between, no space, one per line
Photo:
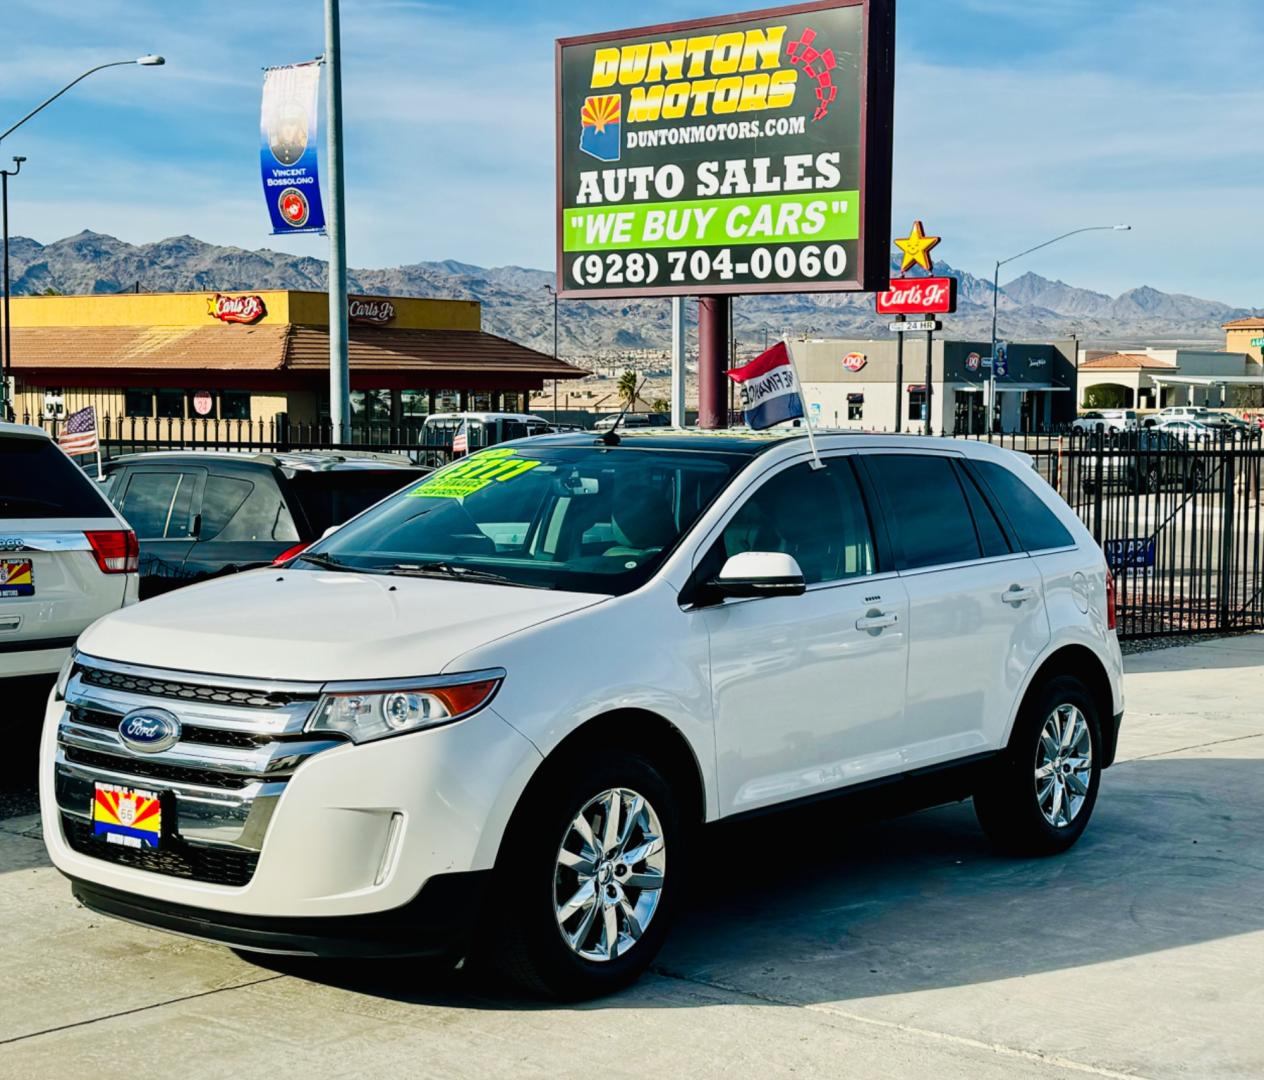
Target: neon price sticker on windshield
[473,474]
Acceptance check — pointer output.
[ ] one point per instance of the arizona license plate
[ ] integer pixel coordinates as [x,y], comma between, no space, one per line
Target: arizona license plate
[16,578]
[128,816]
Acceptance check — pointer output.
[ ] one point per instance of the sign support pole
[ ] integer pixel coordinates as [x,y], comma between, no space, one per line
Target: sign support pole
[339,367]
[713,352]
[678,363]
[930,344]
[899,376]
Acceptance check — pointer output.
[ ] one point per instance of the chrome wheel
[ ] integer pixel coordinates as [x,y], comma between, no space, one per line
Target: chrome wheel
[1064,765]
[609,875]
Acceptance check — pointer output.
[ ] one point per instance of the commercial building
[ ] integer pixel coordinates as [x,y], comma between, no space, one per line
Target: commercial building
[852,384]
[1245,336]
[263,355]
[1157,378]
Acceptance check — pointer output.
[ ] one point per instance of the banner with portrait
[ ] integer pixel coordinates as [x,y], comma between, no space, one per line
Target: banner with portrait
[288,148]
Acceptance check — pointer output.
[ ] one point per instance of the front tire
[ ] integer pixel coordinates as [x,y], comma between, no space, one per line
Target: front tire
[1040,794]
[591,871]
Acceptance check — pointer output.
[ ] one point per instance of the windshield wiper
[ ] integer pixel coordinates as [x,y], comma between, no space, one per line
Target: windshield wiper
[328,562]
[451,570]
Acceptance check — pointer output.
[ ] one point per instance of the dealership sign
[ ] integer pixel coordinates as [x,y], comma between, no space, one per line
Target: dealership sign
[727,155]
[918,296]
[236,309]
[373,312]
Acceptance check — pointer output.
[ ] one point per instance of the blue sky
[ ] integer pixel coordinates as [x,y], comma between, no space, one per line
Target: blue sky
[1015,120]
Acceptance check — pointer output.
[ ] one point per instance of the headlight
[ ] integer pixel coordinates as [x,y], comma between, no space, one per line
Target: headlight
[368,711]
[63,677]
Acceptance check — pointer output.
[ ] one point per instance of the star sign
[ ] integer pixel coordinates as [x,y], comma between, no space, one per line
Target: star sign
[916,247]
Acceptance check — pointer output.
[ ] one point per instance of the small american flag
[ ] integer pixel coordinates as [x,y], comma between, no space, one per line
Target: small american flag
[461,440]
[79,436]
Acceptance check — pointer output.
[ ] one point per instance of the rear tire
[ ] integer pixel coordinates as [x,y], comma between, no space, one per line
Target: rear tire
[1039,795]
[583,915]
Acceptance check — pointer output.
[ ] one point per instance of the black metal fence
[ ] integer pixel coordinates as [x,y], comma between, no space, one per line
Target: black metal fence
[134,435]
[1178,519]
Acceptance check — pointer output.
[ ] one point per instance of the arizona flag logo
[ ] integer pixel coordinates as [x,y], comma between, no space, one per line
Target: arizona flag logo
[599,135]
[769,388]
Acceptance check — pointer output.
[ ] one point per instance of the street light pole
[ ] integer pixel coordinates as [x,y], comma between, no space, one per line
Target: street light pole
[339,364]
[6,406]
[6,361]
[553,293]
[996,288]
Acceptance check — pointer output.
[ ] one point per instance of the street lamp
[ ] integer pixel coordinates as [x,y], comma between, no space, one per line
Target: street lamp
[148,60]
[996,288]
[553,293]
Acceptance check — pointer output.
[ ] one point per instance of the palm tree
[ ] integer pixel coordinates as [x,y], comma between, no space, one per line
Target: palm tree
[627,388]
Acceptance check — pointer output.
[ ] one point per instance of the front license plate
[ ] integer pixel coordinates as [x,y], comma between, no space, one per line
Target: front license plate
[16,578]
[128,816]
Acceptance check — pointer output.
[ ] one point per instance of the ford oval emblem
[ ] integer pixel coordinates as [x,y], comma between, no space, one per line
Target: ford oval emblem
[149,731]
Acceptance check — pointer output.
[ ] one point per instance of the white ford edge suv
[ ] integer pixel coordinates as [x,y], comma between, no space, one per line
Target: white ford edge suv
[537,672]
[66,556]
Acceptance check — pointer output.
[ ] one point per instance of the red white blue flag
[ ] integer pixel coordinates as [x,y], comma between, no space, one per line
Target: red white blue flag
[768,388]
[461,440]
[79,436]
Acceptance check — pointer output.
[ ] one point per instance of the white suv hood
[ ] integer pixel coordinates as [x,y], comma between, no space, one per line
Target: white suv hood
[316,625]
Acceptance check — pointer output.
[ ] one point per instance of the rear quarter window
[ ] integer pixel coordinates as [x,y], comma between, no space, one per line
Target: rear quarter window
[1035,525]
[929,517]
[38,481]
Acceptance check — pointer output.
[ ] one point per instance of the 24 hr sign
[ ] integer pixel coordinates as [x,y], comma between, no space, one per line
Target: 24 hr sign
[724,155]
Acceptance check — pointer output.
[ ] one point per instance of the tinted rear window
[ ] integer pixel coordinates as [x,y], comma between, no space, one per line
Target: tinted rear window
[1035,524]
[930,520]
[330,498]
[38,481]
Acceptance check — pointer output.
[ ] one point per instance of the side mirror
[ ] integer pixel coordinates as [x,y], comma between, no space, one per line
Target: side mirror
[759,573]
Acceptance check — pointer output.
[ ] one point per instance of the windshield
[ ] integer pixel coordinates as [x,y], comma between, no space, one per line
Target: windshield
[584,519]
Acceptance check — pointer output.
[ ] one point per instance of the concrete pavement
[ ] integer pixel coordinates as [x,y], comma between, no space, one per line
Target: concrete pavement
[812,947]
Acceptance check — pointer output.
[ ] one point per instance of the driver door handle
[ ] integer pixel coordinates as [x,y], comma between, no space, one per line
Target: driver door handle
[1015,595]
[877,620]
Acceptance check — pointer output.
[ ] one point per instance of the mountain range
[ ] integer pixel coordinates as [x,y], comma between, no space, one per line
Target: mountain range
[517,305]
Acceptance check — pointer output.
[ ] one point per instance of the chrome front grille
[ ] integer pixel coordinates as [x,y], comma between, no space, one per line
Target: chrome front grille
[130,681]
[240,742]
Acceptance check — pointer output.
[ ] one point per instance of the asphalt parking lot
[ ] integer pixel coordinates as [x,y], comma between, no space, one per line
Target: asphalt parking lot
[812,946]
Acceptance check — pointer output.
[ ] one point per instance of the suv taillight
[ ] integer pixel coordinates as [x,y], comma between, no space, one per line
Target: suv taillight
[116,550]
[1110,600]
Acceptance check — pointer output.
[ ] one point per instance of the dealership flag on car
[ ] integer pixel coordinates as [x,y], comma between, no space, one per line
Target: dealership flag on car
[770,392]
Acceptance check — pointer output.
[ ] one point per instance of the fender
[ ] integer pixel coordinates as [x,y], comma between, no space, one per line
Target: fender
[1068,635]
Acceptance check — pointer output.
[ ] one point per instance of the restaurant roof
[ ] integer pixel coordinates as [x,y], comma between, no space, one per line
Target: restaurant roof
[277,347]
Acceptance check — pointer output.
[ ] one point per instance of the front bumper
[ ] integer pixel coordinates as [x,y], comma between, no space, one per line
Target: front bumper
[438,921]
[351,831]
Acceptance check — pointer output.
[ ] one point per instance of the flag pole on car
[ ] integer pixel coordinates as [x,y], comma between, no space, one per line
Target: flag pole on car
[771,393]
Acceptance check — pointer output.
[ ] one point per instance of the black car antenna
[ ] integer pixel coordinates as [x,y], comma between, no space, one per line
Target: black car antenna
[611,437]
